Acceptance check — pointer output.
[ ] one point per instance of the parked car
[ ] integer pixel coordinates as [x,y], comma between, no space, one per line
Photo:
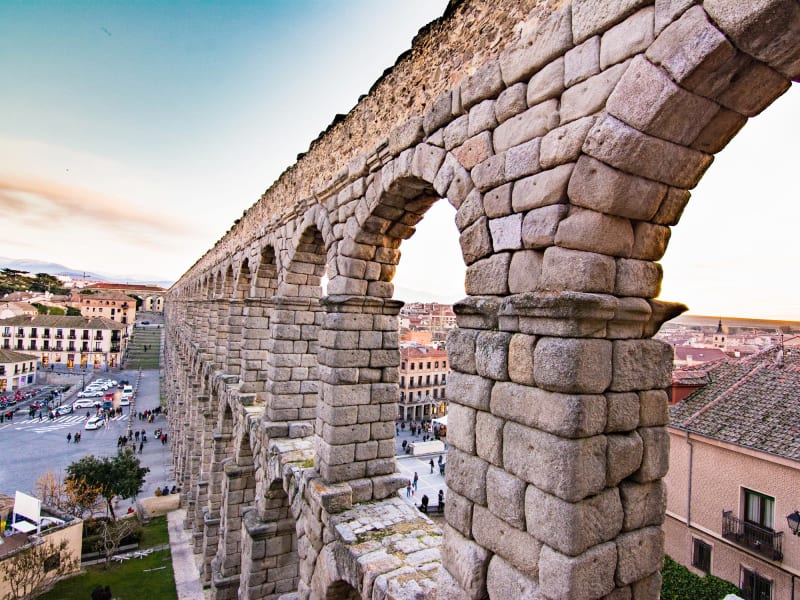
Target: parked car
[94,423]
[87,393]
[85,403]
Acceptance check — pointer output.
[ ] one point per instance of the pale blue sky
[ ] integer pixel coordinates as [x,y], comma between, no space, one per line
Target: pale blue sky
[133,134]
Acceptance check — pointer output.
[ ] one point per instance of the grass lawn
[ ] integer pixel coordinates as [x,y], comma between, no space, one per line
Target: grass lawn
[134,579]
[155,533]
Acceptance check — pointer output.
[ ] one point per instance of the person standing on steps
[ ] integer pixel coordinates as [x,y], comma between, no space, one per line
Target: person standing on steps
[416,480]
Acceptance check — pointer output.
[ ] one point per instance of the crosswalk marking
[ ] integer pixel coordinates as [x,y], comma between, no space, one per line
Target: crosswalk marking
[64,422]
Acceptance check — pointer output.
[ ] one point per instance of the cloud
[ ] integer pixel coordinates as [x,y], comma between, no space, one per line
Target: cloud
[47,198]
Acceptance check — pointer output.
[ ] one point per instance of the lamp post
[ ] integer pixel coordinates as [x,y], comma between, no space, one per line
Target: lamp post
[794,522]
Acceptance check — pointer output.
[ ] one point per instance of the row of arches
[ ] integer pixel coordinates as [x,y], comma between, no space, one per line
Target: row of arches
[566,172]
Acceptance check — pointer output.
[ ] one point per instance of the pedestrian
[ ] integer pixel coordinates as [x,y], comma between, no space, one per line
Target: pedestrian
[141,446]
[136,435]
[416,480]
[431,464]
[441,499]
[40,415]
[69,437]
[441,469]
[440,459]
[408,490]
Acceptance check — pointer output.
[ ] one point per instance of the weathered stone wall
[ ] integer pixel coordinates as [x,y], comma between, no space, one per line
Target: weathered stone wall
[567,136]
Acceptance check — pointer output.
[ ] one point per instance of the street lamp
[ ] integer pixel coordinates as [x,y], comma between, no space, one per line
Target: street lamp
[794,522]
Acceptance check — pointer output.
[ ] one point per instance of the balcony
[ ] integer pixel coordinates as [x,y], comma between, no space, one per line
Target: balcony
[760,540]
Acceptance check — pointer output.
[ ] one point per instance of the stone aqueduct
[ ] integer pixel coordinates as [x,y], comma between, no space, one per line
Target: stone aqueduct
[566,135]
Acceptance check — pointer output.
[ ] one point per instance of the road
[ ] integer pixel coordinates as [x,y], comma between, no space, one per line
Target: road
[29,447]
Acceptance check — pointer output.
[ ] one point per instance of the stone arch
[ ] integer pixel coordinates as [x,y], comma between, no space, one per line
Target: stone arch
[295,318]
[236,319]
[567,139]
[341,590]
[256,326]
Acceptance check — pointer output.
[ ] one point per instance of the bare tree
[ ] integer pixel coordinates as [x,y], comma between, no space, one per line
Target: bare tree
[29,570]
[112,533]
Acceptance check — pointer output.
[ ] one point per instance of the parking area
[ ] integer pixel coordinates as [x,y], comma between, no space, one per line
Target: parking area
[29,447]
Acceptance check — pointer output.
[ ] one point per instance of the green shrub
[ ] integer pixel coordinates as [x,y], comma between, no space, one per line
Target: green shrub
[679,583]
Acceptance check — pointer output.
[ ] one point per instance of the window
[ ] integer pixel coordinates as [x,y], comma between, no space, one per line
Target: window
[46,332]
[20,331]
[412,366]
[436,364]
[701,555]
[755,587]
[429,365]
[6,330]
[759,509]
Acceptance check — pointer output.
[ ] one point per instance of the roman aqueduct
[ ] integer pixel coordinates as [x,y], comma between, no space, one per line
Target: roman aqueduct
[566,135]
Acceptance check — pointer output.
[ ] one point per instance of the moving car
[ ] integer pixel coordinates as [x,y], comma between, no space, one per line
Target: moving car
[85,403]
[60,411]
[94,423]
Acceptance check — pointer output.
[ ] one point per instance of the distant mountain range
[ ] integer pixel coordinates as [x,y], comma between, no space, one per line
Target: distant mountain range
[38,266]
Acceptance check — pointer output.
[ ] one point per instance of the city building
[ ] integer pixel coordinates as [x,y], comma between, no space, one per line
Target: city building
[111,305]
[16,309]
[68,340]
[735,473]
[152,295]
[423,377]
[16,369]
[32,524]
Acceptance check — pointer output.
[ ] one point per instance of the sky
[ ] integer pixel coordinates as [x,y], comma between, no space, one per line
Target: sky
[133,134]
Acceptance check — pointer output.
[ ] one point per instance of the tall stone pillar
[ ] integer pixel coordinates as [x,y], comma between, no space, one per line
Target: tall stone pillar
[557,446]
[358,360]
[255,336]
[233,352]
[220,342]
[292,379]
[270,564]
[238,490]
[221,451]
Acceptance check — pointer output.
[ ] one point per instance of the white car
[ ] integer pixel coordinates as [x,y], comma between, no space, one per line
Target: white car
[124,401]
[85,403]
[94,423]
[87,393]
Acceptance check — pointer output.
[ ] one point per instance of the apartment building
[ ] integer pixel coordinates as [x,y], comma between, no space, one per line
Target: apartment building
[72,341]
[734,478]
[17,369]
[152,295]
[114,306]
[423,377]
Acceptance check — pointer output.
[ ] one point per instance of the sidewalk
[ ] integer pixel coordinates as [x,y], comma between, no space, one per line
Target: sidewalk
[187,577]
[429,483]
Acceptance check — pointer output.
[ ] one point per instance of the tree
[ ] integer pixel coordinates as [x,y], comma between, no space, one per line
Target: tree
[29,569]
[121,475]
[111,535]
[44,282]
[74,496]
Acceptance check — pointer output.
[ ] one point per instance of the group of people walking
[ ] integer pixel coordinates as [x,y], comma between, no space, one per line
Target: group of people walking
[74,438]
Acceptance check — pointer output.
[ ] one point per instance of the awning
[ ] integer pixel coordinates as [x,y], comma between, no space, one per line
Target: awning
[441,420]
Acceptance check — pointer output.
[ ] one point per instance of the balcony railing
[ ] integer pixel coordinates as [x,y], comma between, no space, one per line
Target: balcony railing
[761,540]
